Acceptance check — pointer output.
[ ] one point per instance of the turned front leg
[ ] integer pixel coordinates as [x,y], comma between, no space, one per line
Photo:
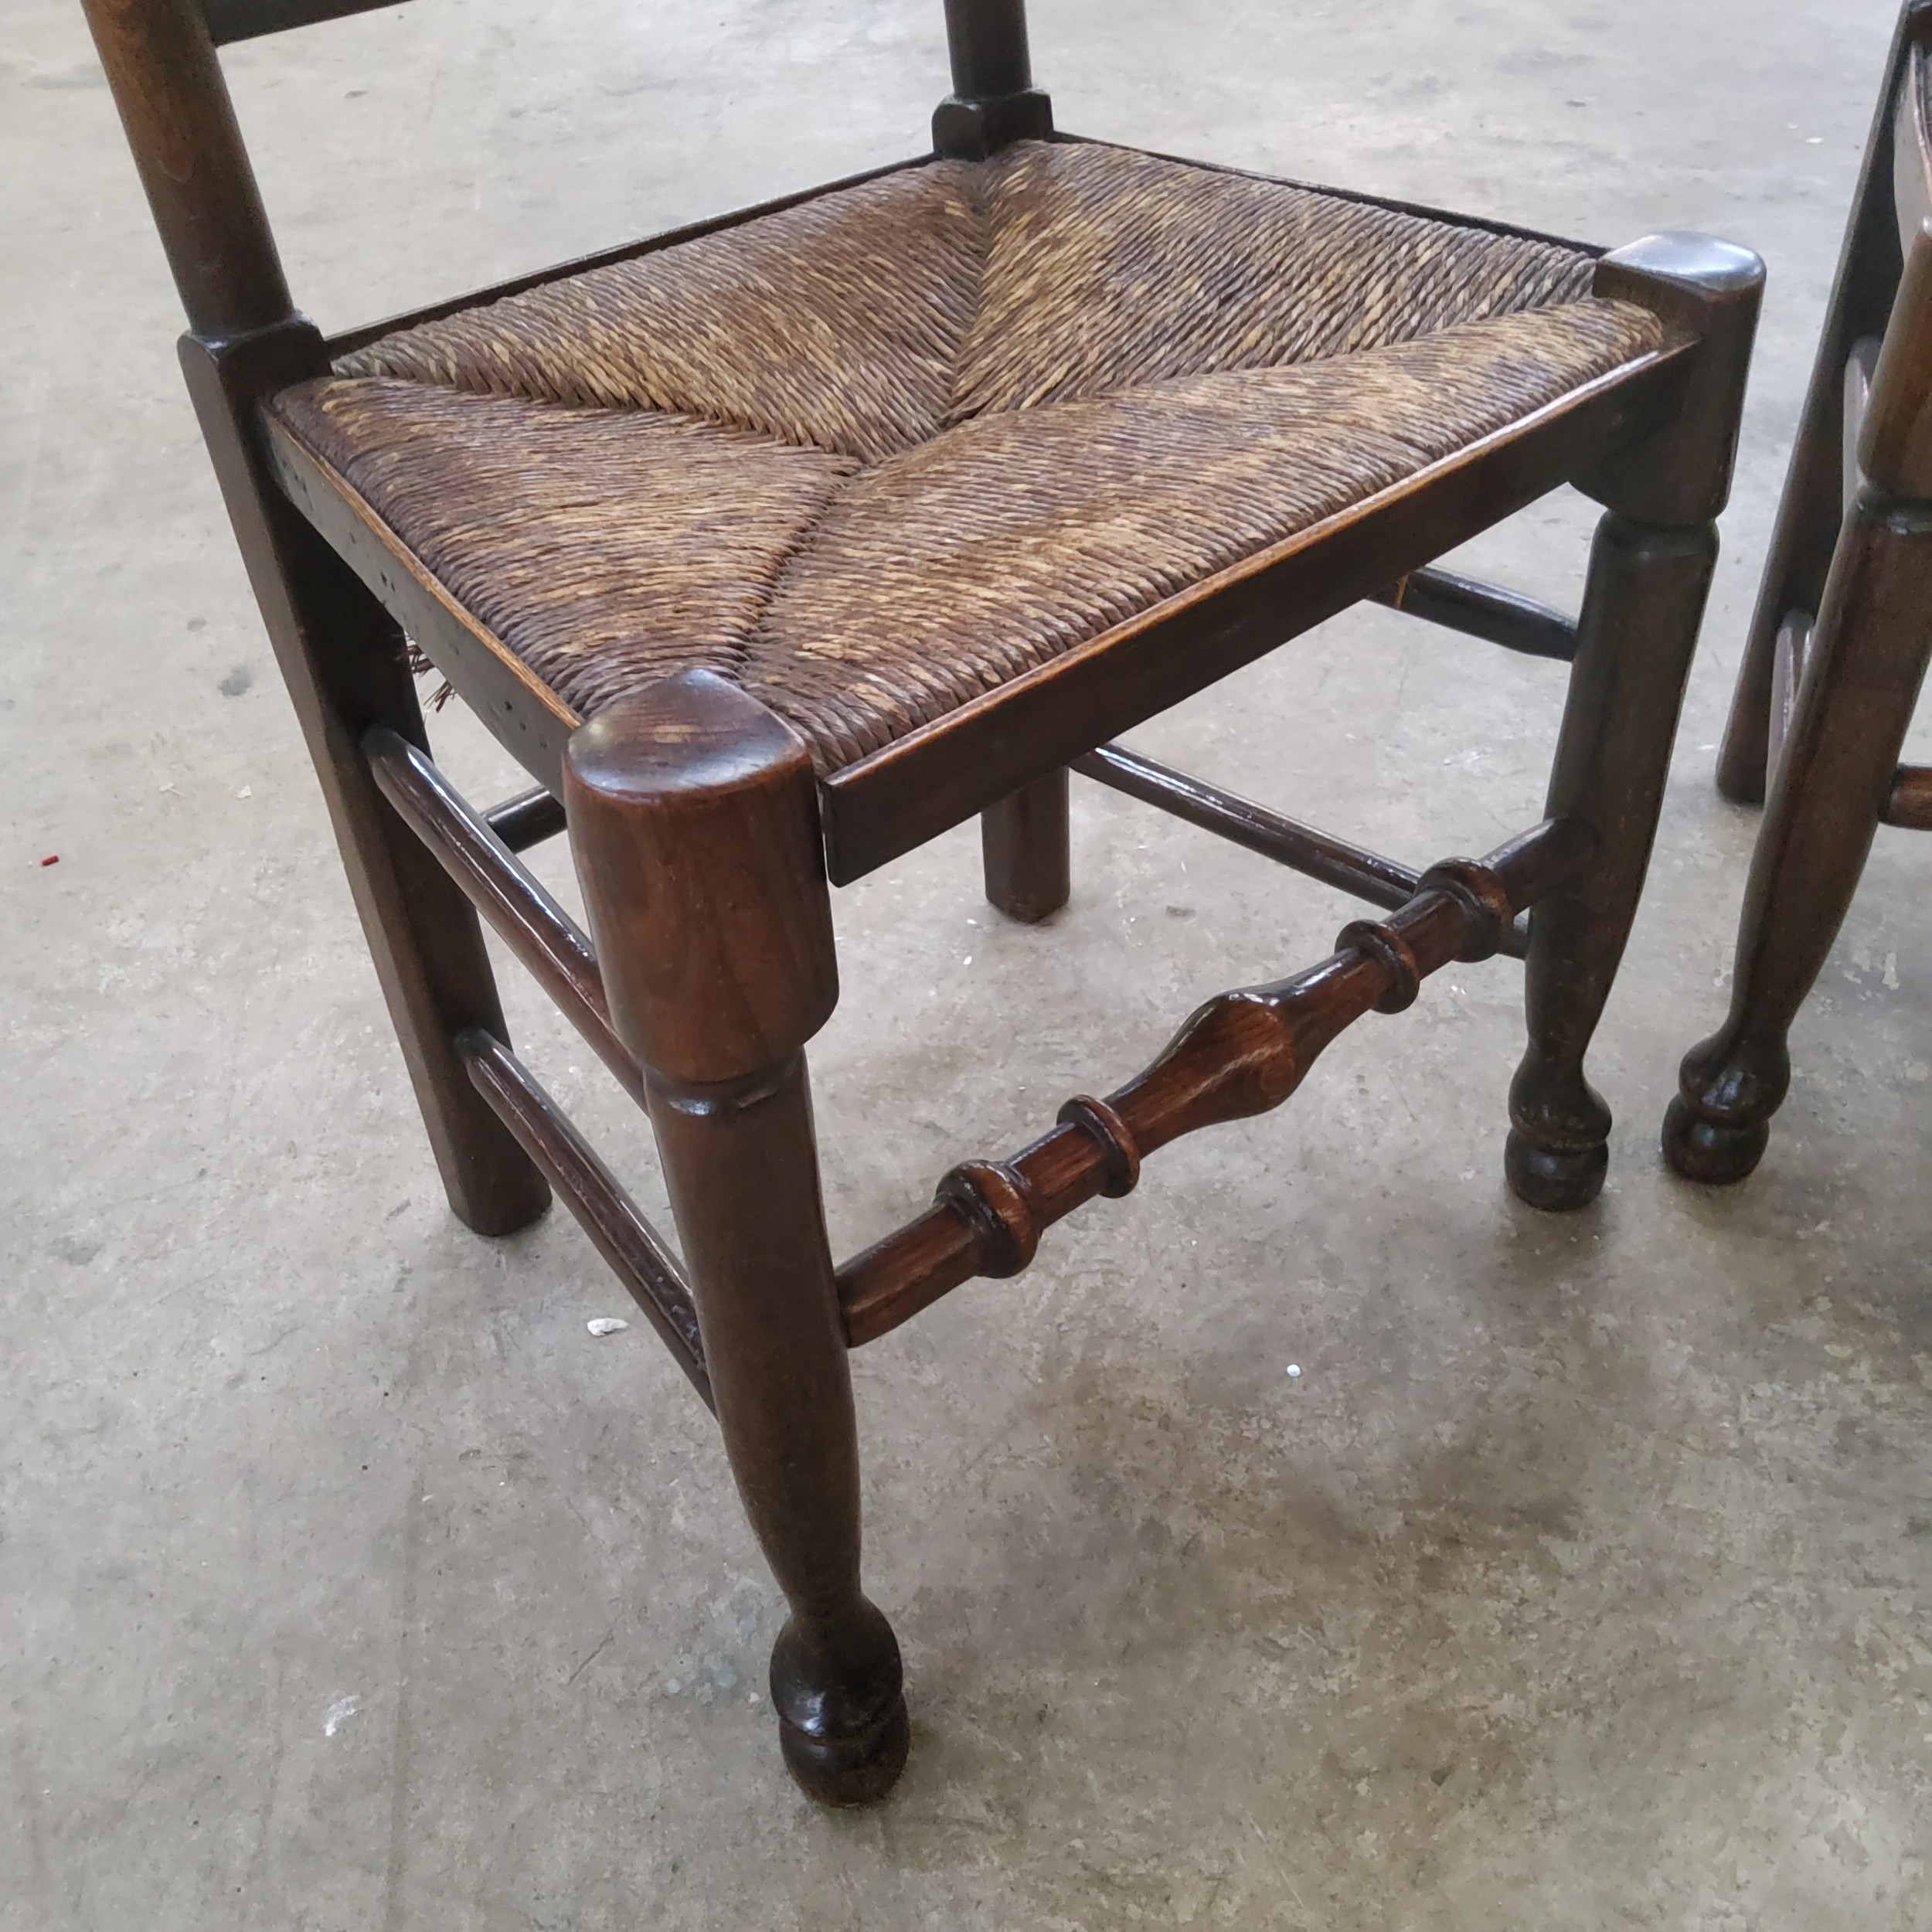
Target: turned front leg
[1024,845]
[693,819]
[1639,625]
[1650,572]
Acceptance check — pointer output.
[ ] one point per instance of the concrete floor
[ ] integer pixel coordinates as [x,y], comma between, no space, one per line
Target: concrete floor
[1579,1581]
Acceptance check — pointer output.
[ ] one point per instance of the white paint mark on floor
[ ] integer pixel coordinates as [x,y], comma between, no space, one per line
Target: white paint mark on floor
[338,1714]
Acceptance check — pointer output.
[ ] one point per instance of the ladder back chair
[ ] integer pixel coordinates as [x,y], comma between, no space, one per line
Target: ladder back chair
[776,546]
[1838,642]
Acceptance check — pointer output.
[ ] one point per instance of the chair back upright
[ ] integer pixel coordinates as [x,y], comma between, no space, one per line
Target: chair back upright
[1888,399]
[162,61]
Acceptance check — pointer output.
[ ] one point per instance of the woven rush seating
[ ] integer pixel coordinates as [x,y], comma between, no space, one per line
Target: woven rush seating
[879,452]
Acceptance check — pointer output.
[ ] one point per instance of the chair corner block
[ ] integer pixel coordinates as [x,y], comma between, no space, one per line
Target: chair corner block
[693,818]
[965,129]
[1708,291]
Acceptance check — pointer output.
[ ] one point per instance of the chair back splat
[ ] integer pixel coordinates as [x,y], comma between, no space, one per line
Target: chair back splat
[776,546]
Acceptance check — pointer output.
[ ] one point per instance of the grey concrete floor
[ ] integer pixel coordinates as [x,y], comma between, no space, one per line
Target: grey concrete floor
[1579,1581]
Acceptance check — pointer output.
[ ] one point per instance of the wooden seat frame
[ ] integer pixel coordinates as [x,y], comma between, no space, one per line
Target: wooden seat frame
[706,844]
[1839,641]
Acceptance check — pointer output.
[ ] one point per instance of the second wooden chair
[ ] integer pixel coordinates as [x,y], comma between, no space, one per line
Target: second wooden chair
[1839,645]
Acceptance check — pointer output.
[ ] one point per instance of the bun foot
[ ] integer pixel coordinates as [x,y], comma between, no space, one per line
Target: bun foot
[842,1711]
[1553,1179]
[859,1768]
[1706,1151]
[1716,1129]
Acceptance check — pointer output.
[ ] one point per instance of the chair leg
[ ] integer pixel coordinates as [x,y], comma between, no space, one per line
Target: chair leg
[693,819]
[1650,572]
[1641,612]
[340,656]
[1867,659]
[427,943]
[1024,845]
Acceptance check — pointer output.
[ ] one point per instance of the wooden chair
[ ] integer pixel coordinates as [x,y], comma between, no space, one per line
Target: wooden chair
[1839,643]
[776,546]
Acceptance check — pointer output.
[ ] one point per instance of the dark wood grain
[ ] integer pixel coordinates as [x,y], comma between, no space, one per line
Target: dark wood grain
[705,844]
[1909,804]
[986,41]
[1641,612]
[1895,432]
[1650,574]
[1840,690]
[1836,776]
[1835,783]
[546,941]
[879,807]
[1025,850]
[181,125]
[1812,506]
[1484,611]
[526,820]
[1315,854]
[993,101]
[1302,848]
[693,823]
[1242,1054]
[527,717]
[1680,473]
[615,1225]
[342,658]
[231,20]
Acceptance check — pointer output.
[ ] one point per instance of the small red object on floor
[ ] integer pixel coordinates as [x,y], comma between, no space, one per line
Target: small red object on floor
[52,858]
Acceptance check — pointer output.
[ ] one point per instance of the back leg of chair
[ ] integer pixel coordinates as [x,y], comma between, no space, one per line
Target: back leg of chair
[1024,842]
[343,659]
[340,653]
[1650,572]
